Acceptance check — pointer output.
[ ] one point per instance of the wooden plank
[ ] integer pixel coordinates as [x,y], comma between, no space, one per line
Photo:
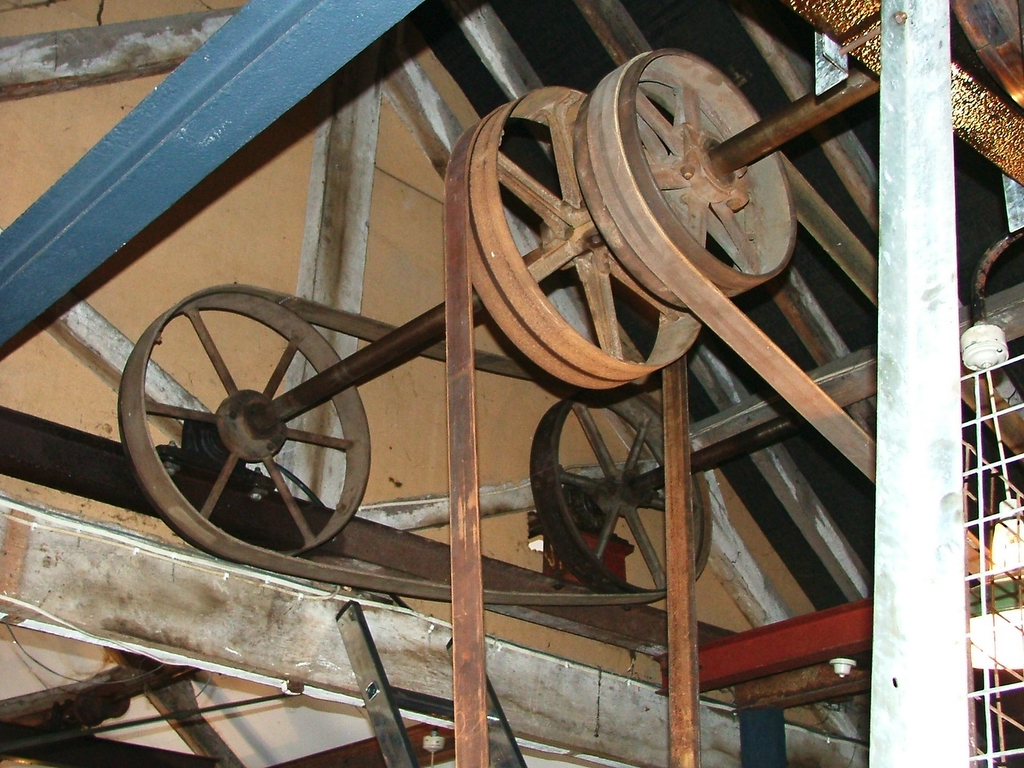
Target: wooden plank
[180,606]
[104,350]
[469,660]
[848,380]
[683,706]
[333,256]
[843,149]
[832,234]
[495,47]
[615,28]
[419,104]
[801,687]
[121,682]
[733,564]
[59,61]
[845,381]
[195,731]
[790,487]
[90,751]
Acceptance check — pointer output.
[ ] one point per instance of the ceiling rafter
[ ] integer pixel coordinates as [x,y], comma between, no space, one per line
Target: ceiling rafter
[301,639]
[33,65]
[844,150]
[332,262]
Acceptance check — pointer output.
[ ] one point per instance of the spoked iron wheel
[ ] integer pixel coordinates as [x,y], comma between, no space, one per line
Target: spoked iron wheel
[541,267]
[618,491]
[643,142]
[190,342]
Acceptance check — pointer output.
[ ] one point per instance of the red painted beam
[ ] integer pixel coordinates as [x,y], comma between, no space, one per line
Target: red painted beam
[786,645]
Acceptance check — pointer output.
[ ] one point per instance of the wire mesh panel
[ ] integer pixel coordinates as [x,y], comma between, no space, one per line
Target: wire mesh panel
[993,451]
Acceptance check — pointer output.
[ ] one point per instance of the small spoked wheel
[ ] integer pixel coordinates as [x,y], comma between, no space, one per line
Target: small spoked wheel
[598,477]
[542,268]
[642,144]
[208,370]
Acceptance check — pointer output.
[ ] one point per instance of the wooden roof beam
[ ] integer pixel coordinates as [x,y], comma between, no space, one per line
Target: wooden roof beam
[33,65]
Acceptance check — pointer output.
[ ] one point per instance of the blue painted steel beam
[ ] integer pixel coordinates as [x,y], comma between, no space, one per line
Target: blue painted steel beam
[262,62]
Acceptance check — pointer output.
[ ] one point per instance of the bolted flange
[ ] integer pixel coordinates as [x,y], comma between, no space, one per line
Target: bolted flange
[237,425]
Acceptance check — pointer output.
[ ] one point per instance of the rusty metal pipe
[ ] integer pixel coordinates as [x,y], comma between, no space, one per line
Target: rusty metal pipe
[767,135]
[374,358]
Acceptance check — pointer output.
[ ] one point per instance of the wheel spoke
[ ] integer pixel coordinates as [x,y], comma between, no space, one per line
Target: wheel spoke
[326,441]
[606,533]
[692,211]
[544,261]
[281,369]
[211,350]
[655,149]
[289,501]
[658,123]
[219,485]
[688,107]
[596,440]
[177,412]
[597,287]
[639,440]
[742,250]
[643,542]
[667,175]
[535,195]
[627,283]
[562,145]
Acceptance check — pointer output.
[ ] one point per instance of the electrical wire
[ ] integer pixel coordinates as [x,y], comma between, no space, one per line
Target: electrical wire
[36,661]
[120,681]
[302,486]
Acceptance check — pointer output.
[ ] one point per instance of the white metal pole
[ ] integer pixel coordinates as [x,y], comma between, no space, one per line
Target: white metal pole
[919,675]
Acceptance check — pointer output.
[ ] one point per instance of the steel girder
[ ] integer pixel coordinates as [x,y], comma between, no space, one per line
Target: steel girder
[262,62]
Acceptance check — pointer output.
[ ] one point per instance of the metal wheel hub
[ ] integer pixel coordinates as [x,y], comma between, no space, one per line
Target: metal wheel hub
[240,424]
[618,494]
[696,176]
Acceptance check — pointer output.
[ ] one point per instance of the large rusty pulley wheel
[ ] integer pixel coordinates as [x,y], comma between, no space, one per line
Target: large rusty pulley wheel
[643,148]
[535,239]
[620,487]
[184,341]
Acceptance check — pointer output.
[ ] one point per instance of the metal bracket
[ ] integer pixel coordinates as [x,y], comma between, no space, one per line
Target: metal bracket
[1014,194]
[504,750]
[831,65]
[382,707]
[385,719]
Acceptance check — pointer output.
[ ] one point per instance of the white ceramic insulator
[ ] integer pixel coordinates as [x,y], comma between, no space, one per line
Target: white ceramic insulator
[842,666]
[982,346]
[433,742]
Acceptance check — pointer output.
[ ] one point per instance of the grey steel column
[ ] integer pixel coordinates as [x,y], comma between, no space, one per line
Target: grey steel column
[919,675]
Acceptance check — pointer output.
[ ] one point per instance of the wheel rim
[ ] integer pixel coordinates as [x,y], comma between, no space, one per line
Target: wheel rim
[656,117]
[197,522]
[579,511]
[517,287]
